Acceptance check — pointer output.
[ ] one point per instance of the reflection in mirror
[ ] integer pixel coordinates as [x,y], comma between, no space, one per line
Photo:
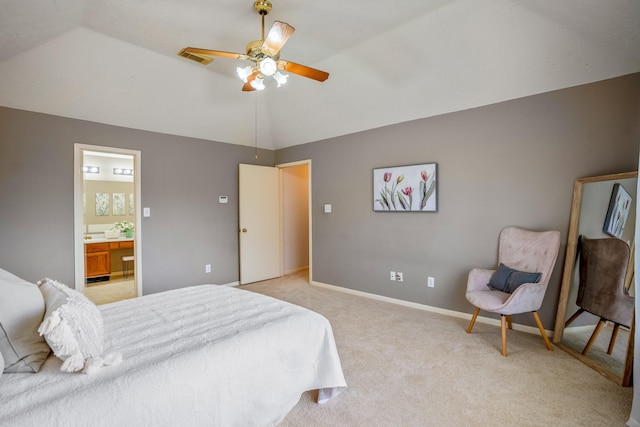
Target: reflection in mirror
[603,345]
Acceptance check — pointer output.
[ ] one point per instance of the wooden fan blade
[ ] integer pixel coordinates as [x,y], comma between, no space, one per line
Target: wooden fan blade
[303,70]
[277,37]
[247,86]
[199,51]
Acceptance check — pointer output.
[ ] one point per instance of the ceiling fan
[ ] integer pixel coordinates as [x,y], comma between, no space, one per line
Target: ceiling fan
[264,53]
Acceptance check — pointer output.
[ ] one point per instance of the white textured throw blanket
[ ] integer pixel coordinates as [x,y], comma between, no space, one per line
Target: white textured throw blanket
[199,356]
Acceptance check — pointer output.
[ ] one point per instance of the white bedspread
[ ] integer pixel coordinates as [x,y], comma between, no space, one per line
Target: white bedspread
[204,355]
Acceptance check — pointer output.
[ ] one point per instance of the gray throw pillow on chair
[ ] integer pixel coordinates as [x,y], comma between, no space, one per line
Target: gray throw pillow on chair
[507,279]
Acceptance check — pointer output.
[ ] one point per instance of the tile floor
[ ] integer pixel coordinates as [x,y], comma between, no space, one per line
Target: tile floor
[112,290]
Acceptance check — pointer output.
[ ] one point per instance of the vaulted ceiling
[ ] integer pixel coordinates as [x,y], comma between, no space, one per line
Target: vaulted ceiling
[116,62]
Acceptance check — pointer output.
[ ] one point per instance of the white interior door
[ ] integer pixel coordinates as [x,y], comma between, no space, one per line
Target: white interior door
[259,220]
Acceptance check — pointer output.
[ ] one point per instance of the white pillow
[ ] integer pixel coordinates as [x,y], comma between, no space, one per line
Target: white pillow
[21,311]
[73,328]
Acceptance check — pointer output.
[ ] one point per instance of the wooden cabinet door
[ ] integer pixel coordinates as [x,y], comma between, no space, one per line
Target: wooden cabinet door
[97,260]
[97,264]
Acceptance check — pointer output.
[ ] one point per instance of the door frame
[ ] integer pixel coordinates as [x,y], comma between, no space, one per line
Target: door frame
[310,210]
[78,211]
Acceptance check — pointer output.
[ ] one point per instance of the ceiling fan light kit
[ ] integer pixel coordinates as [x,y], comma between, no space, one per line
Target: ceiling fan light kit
[268,66]
[264,53]
[257,83]
[280,78]
[244,73]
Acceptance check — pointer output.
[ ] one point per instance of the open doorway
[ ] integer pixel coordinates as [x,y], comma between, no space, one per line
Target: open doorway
[296,217]
[107,223]
[274,220]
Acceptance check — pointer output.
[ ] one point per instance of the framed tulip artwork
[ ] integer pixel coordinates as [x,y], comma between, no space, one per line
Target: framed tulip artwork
[617,212]
[406,188]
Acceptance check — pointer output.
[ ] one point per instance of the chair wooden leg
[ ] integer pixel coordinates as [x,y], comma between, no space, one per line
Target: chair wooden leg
[594,335]
[574,317]
[542,332]
[473,320]
[614,335]
[503,321]
[509,323]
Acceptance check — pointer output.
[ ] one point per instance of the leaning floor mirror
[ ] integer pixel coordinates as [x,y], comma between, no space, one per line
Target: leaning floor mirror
[600,248]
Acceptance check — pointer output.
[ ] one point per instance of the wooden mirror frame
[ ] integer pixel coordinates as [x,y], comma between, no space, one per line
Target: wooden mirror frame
[567,276]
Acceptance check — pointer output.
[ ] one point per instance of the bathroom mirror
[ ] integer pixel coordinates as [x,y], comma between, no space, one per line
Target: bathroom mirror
[590,216]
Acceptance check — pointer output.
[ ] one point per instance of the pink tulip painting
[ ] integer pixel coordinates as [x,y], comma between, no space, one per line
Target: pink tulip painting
[419,180]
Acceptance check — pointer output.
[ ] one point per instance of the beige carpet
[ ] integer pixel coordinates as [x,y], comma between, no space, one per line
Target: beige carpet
[408,367]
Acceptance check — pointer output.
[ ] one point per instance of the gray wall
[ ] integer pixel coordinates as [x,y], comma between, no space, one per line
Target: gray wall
[181,181]
[512,163]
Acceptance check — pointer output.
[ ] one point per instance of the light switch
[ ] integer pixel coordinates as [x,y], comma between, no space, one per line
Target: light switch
[223,199]
[146,212]
[327,208]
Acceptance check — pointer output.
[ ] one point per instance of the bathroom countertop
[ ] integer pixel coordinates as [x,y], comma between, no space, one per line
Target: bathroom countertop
[99,238]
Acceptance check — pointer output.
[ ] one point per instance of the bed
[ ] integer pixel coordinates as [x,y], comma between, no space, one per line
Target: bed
[202,355]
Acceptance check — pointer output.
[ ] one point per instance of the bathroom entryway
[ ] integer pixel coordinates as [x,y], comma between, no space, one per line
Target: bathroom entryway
[107,223]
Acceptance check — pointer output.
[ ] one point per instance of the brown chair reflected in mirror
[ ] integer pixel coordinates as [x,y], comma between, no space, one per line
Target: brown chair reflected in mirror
[602,292]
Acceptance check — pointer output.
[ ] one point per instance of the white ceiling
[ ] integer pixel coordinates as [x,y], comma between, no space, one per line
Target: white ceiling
[116,62]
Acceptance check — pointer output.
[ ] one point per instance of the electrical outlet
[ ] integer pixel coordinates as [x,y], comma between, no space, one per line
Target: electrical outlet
[207,268]
[431,282]
[399,276]
[392,276]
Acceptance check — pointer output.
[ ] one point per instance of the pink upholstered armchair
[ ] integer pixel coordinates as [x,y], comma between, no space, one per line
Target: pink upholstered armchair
[526,260]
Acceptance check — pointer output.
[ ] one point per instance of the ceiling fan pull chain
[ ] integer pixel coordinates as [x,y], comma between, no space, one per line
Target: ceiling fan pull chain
[255,127]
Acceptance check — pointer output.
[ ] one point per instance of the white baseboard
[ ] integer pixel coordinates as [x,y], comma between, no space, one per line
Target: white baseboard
[231,284]
[452,313]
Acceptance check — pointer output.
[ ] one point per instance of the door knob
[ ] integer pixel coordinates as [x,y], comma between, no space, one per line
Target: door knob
[244,230]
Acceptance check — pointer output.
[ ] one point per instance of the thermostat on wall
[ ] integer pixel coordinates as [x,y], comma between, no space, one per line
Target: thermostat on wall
[223,199]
